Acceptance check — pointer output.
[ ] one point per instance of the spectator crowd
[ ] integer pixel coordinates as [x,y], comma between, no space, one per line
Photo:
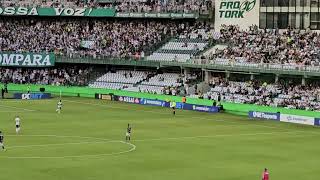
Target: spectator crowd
[283,47]
[164,6]
[283,94]
[288,95]
[71,76]
[94,38]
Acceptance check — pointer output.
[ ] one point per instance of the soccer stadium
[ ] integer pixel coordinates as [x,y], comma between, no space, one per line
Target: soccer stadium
[159,89]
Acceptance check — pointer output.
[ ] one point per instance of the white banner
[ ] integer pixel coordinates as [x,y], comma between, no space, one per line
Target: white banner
[297,119]
[87,44]
[243,13]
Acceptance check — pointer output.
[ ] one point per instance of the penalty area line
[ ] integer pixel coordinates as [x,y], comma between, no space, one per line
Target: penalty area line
[222,135]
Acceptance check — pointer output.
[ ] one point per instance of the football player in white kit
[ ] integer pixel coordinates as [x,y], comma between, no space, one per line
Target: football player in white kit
[2,141]
[59,107]
[128,133]
[17,120]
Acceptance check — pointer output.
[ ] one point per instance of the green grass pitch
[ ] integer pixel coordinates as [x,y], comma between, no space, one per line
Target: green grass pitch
[86,142]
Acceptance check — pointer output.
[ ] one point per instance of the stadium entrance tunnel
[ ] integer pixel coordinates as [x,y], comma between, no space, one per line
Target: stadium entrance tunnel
[53,146]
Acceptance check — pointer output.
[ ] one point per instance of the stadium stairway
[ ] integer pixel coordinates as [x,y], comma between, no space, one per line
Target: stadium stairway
[145,80]
[94,75]
[180,49]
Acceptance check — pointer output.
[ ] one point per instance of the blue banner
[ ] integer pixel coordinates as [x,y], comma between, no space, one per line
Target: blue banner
[161,103]
[317,122]
[153,102]
[32,96]
[211,109]
[264,115]
[180,105]
[201,108]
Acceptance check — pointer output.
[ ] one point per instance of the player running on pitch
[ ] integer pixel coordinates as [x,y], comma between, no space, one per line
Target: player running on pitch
[173,106]
[265,174]
[1,140]
[128,133]
[59,106]
[17,120]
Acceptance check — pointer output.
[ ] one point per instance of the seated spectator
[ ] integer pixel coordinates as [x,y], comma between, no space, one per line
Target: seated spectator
[253,46]
[279,95]
[57,76]
[73,38]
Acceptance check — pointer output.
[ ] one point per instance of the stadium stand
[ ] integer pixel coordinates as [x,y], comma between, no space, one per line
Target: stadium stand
[118,86]
[122,76]
[179,41]
[290,47]
[97,38]
[187,6]
[165,79]
[306,97]
[185,47]
[140,81]
[147,89]
[72,75]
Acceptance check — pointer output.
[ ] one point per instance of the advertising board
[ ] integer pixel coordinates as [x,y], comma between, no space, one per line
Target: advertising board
[243,13]
[297,119]
[264,115]
[32,96]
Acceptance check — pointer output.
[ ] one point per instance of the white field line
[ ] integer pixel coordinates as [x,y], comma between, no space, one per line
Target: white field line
[11,111]
[157,112]
[18,108]
[58,144]
[201,118]
[25,100]
[222,135]
[132,148]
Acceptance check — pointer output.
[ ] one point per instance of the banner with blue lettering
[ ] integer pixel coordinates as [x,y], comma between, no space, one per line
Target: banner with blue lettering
[264,115]
[201,108]
[161,103]
[317,122]
[32,96]
[153,102]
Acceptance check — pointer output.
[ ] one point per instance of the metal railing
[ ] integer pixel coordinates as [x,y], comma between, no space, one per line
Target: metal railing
[200,63]
[271,67]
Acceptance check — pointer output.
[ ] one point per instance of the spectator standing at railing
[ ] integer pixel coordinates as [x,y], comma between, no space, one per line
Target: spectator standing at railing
[2,93]
[28,89]
[62,76]
[6,87]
